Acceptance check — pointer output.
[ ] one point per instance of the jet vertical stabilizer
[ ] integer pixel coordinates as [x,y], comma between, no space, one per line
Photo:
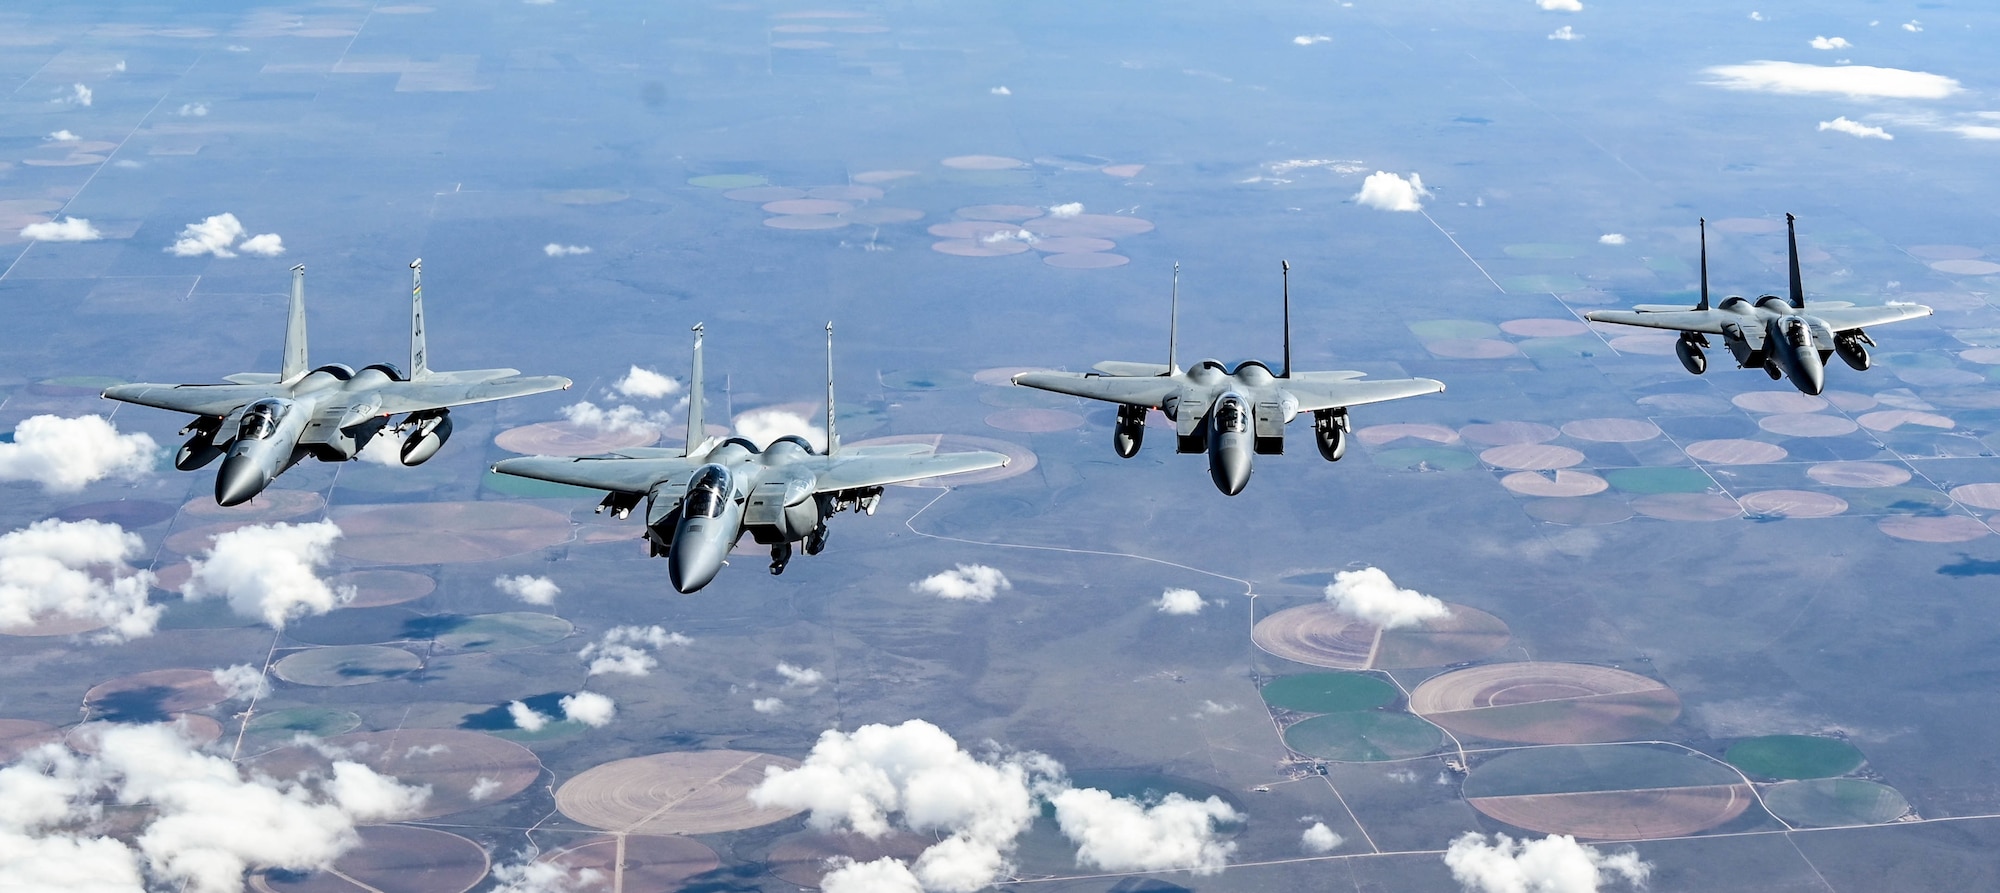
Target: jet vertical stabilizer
[295,329]
[832,436]
[1704,266]
[1285,268]
[1174,322]
[1792,244]
[419,357]
[697,431]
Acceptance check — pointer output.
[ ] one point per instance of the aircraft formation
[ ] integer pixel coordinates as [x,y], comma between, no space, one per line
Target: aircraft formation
[701,499]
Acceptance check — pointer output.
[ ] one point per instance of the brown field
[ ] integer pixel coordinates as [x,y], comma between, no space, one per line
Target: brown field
[441,532]
[451,761]
[376,588]
[565,439]
[392,859]
[634,863]
[1318,634]
[682,792]
[1542,702]
[18,736]
[1621,815]
[154,692]
[270,505]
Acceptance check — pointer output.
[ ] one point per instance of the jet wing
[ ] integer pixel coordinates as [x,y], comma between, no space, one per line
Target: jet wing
[843,472]
[195,399]
[1845,318]
[1707,321]
[1328,394]
[1132,391]
[611,473]
[460,388]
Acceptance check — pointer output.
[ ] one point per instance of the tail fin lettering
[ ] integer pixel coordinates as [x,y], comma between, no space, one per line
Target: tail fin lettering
[697,431]
[1174,322]
[419,357]
[832,436]
[1792,243]
[1286,267]
[295,329]
[1704,266]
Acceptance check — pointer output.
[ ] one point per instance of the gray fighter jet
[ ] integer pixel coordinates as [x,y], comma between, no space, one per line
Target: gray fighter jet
[700,500]
[263,423]
[1228,411]
[1775,334]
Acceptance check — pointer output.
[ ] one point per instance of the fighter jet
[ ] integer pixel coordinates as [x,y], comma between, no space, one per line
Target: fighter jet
[700,500]
[1228,411]
[1775,334]
[263,423]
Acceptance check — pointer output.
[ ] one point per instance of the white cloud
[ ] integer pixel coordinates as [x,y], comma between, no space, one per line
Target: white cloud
[1855,128]
[1306,40]
[1388,192]
[525,718]
[1560,5]
[1319,839]
[623,417]
[263,245]
[528,588]
[482,788]
[1857,81]
[194,110]
[1756,16]
[1066,210]
[1911,26]
[76,569]
[200,824]
[767,705]
[269,571]
[530,876]
[884,875]
[63,136]
[1368,595]
[554,250]
[624,649]
[1001,91]
[1180,601]
[126,163]
[1011,235]
[800,677]
[243,682]
[1178,833]
[646,384]
[1611,239]
[1830,43]
[1553,864]
[762,426]
[589,708]
[68,229]
[81,95]
[1565,32]
[213,235]
[968,582]
[64,454]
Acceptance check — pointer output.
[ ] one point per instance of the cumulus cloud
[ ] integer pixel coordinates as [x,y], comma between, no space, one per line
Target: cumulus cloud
[81,95]
[646,384]
[1306,40]
[1001,91]
[968,582]
[1180,601]
[1553,864]
[482,788]
[525,718]
[1830,43]
[63,136]
[1370,596]
[76,569]
[270,571]
[1913,26]
[589,708]
[800,677]
[884,875]
[763,426]
[1066,210]
[528,588]
[1565,32]
[1010,235]
[217,236]
[623,417]
[625,649]
[529,876]
[1855,128]
[1611,239]
[1756,16]
[68,229]
[243,682]
[1560,5]
[554,250]
[1856,81]
[915,776]
[1388,192]
[767,705]
[64,454]
[201,824]
[194,110]
[1319,839]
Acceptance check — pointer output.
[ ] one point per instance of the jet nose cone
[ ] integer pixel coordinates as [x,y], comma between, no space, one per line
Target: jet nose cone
[1229,467]
[695,558]
[238,481]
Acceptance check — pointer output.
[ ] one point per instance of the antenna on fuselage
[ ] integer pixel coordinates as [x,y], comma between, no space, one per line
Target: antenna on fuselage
[1286,266]
[696,432]
[1704,266]
[1174,321]
[1792,242]
[832,436]
[295,329]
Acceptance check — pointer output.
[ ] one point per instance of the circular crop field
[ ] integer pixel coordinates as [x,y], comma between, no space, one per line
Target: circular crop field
[398,858]
[1834,802]
[154,695]
[1793,756]
[500,632]
[270,505]
[343,665]
[441,532]
[1377,435]
[1615,792]
[464,769]
[376,588]
[1329,692]
[1364,736]
[682,792]
[319,722]
[1318,634]
[1546,702]
[1734,451]
[1563,484]
[635,862]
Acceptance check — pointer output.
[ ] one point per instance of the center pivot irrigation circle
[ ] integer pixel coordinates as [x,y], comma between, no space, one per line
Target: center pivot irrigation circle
[1320,635]
[681,792]
[1546,702]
